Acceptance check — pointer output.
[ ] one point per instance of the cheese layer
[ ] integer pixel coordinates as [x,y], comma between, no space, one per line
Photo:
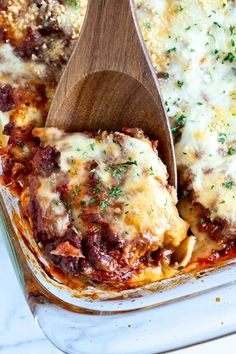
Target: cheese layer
[109,185]
[192,43]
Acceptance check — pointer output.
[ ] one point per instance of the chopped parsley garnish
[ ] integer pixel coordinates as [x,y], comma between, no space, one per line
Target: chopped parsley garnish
[119,171]
[73,3]
[115,192]
[82,202]
[229,57]
[57,201]
[166,75]
[228,184]
[231,28]
[222,138]
[92,146]
[151,171]
[180,8]
[202,221]
[147,25]
[93,200]
[179,123]
[76,190]
[217,24]
[132,162]
[104,203]
[231,150]
[171,50]
[180,83]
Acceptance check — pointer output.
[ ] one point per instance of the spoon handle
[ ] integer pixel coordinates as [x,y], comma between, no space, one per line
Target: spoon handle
[111,40]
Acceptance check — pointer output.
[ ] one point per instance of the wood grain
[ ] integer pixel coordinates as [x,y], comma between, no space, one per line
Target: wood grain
[109,82]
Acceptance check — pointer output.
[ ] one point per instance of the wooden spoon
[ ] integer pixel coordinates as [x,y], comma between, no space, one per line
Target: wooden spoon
[109,82]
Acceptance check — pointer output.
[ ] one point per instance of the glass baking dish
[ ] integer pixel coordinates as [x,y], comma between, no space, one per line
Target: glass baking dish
[160,317]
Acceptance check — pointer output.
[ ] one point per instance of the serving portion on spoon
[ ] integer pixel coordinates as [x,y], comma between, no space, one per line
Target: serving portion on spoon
[109,82]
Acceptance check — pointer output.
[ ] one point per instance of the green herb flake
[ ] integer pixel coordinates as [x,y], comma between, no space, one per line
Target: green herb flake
[202,221]
[231,28]
[76,190]
[180,83]
[72,3]
[93,200]
[171,50]
[104,203]
[222,138]
[57,201]
[119,171]
[115,192]
[228,184]
[231,150]
[179,123]
[147,25]
[217,24]
[229,57]
[92,146]
[151,171]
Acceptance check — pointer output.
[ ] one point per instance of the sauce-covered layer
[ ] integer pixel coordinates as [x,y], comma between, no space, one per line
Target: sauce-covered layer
[101,206]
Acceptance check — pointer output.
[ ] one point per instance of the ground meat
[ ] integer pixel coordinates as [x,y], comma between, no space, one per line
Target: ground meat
[3,35]
[8,128]
[35,212]
[45,161]
[19,136]
[68,264]
[133,132]
[7,164]
[162,75]
[31,45]
[6,98]
[219,229]
[3,5]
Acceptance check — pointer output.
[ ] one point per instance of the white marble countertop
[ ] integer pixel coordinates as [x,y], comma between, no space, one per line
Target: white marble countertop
[19,334]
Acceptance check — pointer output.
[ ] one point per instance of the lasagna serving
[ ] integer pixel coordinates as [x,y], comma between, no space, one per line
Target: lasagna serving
[99,204]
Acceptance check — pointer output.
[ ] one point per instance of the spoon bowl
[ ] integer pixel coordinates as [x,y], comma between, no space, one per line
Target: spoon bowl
[109,82]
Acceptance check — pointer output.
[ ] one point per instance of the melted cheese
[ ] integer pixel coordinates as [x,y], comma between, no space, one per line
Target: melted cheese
[194,42]
[149,211]
[12,68]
